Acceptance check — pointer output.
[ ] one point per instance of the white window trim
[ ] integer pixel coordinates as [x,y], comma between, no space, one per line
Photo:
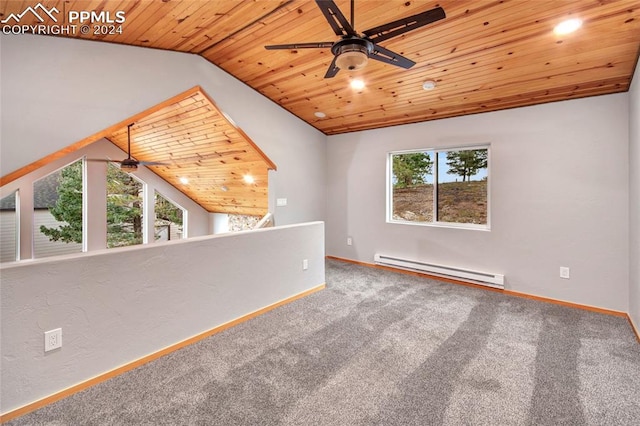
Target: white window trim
[32,211]
[185,212]
[145,199]
[438,224]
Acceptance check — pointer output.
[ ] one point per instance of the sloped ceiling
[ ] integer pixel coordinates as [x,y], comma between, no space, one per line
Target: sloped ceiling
[485,55]
[202,151]
[199,144]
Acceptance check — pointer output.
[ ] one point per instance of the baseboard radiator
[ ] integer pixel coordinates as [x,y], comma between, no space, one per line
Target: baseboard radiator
[476,277]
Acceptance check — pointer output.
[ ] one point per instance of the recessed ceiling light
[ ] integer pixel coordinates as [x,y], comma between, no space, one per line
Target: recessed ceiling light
[357,84]
[184,180]
[320,114]
[429,85]
[248,179]
[568,26]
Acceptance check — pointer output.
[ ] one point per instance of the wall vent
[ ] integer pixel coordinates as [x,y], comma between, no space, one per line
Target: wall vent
[476,277]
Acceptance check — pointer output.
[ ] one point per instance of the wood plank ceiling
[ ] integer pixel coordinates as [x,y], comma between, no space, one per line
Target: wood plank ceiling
[485,55]
[197,142]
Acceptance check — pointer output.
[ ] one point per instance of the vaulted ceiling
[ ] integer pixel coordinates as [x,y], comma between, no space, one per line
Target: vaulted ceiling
[485,55]
[202,153]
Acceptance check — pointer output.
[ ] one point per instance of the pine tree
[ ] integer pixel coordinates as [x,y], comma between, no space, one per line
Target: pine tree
[124,207]
[411,169]
[167,211]
[466,163]
[68,207]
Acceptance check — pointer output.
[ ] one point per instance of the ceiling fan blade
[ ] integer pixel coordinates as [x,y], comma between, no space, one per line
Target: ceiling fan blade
[336,19]
[103,160]
[152,163]
[388,57]
[401,26]
[292,46]
[141,163]
[333,69]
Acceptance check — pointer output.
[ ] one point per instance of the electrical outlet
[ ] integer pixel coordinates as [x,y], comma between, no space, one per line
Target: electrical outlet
[349,241]
[52,339]
[305,264]
[281,202]
[565,272]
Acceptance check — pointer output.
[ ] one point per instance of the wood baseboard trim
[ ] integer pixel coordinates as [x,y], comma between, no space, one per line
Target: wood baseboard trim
[567,304]
[507,292]
[137,363]
[634,328]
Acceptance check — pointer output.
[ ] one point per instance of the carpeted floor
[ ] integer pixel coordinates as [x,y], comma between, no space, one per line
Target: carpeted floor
[382,348]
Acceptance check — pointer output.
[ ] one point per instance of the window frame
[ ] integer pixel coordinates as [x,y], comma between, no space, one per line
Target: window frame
[35,229]
[144,196]
[185,212]
[435,222]
[16,225]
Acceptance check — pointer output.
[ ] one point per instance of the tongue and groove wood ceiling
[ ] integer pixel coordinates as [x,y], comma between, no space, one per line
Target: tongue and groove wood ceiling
[195,140]
[485,55]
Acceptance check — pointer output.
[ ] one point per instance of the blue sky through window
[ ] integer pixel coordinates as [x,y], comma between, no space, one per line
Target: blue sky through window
[443,168]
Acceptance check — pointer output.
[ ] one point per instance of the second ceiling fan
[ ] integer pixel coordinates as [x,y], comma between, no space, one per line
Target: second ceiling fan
[353,50]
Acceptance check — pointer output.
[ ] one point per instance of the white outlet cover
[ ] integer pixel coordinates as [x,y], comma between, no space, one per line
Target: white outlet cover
[281,202]
[305,264]
[565,272]
[52,339]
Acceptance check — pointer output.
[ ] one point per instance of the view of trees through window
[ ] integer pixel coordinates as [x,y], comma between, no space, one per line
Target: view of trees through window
[168,223]
[124,208]
[57,212]
[452,183]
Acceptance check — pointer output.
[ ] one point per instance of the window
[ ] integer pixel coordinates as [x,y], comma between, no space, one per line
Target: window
[57,212]
[169,219]
[440,187]
[124,208]
[8,228]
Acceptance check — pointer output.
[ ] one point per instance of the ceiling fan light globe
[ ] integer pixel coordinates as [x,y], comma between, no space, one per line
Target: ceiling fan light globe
[352,57]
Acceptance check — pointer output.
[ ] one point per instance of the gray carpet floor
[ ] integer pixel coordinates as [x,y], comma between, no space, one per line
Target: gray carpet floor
[383,348]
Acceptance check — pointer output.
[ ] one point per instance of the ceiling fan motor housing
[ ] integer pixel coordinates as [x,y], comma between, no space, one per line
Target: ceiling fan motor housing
[352,53]
[129,165]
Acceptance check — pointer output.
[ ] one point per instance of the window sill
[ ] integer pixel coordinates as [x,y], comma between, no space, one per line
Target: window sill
[466,226]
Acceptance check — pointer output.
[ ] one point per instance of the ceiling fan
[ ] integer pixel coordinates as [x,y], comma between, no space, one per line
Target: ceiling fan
[129,164]
[353,50]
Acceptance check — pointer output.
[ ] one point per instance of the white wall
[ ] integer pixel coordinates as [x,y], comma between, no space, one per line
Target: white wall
[634,199]
[559,197]
[57,91]
[117,306]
